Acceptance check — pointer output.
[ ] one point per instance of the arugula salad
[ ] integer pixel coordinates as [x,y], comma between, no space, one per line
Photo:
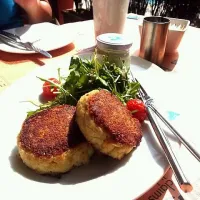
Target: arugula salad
[84,76]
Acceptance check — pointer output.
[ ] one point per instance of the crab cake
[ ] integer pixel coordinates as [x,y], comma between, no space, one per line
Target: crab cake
[107,124]
[50,142]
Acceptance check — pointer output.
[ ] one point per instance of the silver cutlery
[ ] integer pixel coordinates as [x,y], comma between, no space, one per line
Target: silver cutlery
[188,145]
[162,138]
[15,41]
[30,46]
[11,35]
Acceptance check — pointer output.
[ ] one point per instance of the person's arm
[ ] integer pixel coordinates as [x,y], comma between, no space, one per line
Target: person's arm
[36,10]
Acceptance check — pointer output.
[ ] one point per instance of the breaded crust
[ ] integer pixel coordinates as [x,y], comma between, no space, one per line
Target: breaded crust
[109,113]
[50,142]
[51,132]
[107,124]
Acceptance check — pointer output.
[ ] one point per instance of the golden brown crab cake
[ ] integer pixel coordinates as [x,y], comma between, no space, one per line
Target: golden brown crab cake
[107,124]
[50,142]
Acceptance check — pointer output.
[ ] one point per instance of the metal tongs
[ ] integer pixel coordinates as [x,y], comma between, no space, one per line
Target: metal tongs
[153,113]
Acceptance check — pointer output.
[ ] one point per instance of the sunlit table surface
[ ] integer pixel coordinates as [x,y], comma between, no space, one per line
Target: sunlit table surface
[184,77]
[84,37]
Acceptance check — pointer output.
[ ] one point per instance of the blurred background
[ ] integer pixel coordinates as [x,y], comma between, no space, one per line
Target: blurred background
[67,11]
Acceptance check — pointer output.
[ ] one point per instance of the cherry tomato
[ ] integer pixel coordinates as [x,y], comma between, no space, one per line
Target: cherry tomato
[49,90]
[137,108]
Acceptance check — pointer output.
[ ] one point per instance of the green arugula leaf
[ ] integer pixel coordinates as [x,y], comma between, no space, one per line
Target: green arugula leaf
[87,75]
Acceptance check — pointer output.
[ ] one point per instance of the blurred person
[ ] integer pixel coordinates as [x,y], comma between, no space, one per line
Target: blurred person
[14,13]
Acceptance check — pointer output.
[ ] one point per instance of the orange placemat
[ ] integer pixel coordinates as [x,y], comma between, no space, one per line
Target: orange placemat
[13,58]
[14,66]
[164,189]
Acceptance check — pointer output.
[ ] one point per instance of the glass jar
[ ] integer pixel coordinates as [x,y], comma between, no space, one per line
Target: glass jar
[115,47]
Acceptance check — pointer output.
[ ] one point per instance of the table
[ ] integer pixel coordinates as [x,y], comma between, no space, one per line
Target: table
[14,66]
[187,62]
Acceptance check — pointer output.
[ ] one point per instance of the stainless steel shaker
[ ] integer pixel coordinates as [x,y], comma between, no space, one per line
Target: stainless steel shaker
[154,38]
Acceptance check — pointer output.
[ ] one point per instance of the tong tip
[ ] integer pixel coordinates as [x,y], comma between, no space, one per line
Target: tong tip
[186,187]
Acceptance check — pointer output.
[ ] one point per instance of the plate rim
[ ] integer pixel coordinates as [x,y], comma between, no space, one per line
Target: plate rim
[19,51]
[37,70]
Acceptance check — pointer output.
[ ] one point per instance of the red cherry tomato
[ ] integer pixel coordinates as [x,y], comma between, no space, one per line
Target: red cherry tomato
[137,108]
[50,90]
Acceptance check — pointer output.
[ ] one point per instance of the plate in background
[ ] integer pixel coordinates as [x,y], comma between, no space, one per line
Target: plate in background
[46,36]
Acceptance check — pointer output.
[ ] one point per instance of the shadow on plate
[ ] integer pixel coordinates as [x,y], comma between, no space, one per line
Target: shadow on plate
[153,144]
[20,31]
[100,165]
[141,63]
[43,99]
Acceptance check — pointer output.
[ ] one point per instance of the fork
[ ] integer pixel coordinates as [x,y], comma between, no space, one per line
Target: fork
[31,47]
[16,42]
[162,138]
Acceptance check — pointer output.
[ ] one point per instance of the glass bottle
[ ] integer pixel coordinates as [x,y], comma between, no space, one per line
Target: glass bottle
[116,47]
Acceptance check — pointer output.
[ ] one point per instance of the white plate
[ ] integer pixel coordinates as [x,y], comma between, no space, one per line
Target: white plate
[46,36]
[102,178]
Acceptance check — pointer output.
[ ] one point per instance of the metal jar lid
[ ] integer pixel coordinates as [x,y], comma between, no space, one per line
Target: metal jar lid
[113,41]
